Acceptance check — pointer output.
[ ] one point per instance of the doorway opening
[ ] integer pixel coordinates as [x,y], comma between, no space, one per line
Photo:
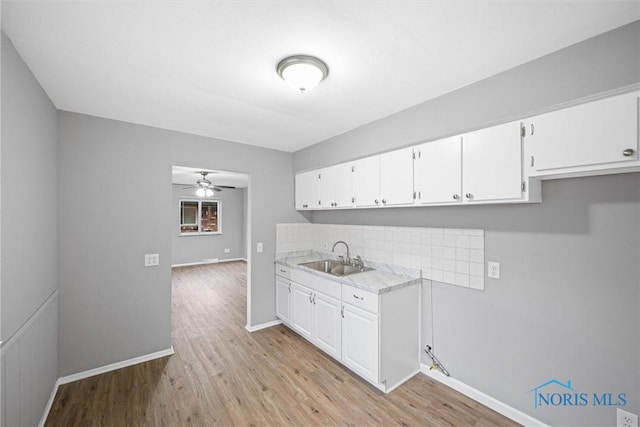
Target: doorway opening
[211,218]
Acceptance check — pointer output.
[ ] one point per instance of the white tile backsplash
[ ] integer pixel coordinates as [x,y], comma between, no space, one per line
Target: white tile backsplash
[448,255]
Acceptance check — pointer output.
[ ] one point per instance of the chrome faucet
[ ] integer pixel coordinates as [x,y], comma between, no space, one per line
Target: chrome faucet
[347,259]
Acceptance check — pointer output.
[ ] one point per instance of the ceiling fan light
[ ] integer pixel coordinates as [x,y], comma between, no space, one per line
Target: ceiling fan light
[200,192]
[302,72]
[208,192]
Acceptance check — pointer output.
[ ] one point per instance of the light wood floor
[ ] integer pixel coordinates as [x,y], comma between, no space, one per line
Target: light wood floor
[223,375]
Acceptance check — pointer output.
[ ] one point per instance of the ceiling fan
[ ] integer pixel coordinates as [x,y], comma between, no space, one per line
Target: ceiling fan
[204,187]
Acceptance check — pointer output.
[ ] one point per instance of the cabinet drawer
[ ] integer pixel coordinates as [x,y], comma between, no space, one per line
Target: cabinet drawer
[283,271]
[357,297]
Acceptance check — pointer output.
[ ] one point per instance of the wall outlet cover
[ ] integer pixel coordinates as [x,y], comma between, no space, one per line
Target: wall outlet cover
[626,419]
[227,250]
[493,270]
[151,260]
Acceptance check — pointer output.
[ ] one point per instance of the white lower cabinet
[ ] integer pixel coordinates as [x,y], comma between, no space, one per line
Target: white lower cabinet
[301,310]
[316,317]
[374,335]
[360,342]
[326,331]
[283,299]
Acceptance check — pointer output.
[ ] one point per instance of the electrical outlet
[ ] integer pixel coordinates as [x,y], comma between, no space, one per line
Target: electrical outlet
[493,270]
[227,250]
[151,260]
[626,419]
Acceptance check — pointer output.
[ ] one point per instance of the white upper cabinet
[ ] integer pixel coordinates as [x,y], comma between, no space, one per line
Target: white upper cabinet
[384,180]
[438,171]
[327,187]
[593,136]
[366,181]
[492,164]
[396,177]
[306,190]
[336,186]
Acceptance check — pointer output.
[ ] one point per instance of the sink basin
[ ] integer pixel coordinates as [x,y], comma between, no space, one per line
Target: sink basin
[334,267]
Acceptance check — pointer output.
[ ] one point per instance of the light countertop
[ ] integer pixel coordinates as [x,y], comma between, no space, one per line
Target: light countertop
[383,278]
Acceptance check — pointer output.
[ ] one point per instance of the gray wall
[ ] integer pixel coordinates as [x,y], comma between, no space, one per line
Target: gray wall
[112,308]
[193,249]
[28,243]
[567,304]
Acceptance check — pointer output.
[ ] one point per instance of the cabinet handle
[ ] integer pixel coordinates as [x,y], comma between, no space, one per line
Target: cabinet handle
[289,287]
[353,200]
[357,297]
[319,202]
[628,152]
[305,206]
[456,196]
[283,271]
[310,300]
[469,196]
[533,129]
[384,201]
[377,201]
[342,311]
[314,299]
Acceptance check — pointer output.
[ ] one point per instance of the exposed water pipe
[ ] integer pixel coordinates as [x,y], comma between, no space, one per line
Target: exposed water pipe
[436,363]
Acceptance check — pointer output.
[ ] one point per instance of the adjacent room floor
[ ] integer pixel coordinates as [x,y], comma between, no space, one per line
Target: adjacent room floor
[223,375]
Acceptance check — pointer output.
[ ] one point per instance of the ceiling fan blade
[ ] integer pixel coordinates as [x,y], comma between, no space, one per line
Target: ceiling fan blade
[225,186]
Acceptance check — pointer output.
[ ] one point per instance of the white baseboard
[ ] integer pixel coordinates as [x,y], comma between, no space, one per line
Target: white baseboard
[263,326]
[91,372]
[216,261]
[47,409]
[114,366]
[480,397]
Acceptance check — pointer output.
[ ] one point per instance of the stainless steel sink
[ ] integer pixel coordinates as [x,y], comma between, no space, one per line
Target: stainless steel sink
[334,267]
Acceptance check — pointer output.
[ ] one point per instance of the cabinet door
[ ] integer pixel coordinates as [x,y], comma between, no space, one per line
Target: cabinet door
[366,181]
[306,190]
[327,324]
[283,299]
[301,310]
[438,171]
[595,133]
[396,177]
[492,163]
[327,187]
[344,184]
[360,342]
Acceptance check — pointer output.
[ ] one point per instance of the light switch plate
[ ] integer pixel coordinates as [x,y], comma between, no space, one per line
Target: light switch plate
[259,247]
[493,270]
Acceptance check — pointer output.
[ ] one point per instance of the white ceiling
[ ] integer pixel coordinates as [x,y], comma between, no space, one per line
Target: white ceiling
[208,67]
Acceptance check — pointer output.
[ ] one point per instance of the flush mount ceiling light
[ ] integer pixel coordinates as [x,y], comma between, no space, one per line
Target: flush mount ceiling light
[302,72]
